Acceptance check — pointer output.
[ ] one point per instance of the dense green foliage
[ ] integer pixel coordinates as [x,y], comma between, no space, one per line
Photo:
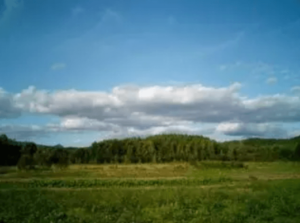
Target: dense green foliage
[156,149]
[10,151]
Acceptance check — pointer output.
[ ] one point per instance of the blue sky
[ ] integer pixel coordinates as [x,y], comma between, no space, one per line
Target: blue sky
[250,49]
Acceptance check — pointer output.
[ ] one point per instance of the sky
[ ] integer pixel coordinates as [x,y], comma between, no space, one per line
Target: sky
[75,71]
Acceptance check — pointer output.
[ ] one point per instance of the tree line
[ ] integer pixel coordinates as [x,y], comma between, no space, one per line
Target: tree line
[157,149]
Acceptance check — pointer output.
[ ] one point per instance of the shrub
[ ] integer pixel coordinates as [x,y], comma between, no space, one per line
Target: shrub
[285,154]
[297,151]
[26,162]
[29,149]
[43,158]
[222,165]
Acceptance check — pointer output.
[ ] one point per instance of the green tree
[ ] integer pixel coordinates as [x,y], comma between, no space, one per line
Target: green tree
[29,149]
[43,158]
[26,162]
[3,138]
[60,158]
[297,151]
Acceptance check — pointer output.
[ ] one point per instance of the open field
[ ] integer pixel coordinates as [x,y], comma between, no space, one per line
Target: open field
[174,192]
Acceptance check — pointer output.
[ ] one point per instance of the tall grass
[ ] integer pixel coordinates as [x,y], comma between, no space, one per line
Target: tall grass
[218,164]
[276,201]
[113,183]
[207,192]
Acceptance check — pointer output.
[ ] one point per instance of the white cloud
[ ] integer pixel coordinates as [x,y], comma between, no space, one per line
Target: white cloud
[24,132]
[177,129]
[251,129]
[58,66]
[147,106]
[82,124]
[107,130]
[127,101]
[271,80]
[8,109]
[131,109]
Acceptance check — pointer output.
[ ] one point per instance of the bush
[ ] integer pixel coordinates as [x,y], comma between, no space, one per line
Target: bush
[238,165]
[297,151]
[194,163]
[222,165]
[225,158]
[29,149]
[43,158]
[26,162]
[285,154]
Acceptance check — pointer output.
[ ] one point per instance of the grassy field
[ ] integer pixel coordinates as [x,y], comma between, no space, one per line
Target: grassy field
[174,192]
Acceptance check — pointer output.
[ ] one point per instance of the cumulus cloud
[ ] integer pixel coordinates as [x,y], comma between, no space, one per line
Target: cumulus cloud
[24,132]
[251,129]
[131,102]
[131,109]
[271,80]
[177,129]
[7,106]
[81,124]
[152,105]
[58,66]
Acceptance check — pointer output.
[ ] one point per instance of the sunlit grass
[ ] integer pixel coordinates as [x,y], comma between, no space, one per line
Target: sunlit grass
[173,192]
[271,170]
[171,170]
[273,201]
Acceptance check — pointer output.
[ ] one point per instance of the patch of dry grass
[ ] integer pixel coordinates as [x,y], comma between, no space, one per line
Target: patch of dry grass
[261,171]
[155,171]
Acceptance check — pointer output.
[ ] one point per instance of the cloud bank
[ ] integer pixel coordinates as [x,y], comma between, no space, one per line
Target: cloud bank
[142,110]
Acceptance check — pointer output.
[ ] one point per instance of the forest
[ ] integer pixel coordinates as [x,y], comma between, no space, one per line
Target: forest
[162,148]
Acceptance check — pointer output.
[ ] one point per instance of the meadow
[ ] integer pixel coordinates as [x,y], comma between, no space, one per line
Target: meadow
[210,191]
